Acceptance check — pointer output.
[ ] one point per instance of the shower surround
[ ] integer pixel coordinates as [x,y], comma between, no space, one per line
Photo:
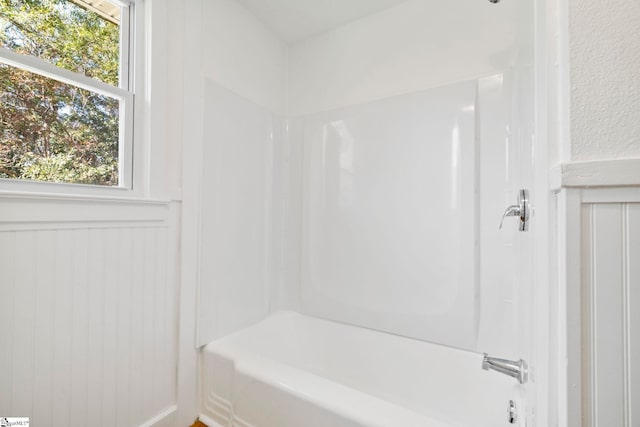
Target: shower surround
[358,175]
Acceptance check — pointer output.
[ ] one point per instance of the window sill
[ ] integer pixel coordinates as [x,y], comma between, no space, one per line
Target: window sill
[61,191]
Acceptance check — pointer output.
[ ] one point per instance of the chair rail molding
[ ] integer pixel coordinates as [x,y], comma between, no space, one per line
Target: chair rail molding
[600,173]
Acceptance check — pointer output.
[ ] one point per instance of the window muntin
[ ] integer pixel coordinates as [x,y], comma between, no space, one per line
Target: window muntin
[66,113]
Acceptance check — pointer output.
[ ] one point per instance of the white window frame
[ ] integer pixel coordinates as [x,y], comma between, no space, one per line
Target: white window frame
[130,176]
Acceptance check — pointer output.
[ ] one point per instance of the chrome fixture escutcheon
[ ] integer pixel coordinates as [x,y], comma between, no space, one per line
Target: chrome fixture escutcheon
[521,210]
[516,369]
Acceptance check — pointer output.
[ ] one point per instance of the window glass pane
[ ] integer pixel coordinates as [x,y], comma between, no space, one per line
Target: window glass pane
[53,131]
[83,39]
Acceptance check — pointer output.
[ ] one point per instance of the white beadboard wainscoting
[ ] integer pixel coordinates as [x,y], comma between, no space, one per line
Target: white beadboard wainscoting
[603,295]
[88,306]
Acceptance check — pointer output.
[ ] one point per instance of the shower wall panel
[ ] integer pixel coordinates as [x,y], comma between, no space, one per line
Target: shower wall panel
[401,202]
[389,215]
[361,201]
[498,178]
[236,233]
[235,110]
[336,82]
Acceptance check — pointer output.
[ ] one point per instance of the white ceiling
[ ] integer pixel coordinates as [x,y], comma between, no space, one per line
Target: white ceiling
[295,20]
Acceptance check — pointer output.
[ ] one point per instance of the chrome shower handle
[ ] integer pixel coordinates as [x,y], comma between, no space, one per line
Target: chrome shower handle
[513,210]
[520,210]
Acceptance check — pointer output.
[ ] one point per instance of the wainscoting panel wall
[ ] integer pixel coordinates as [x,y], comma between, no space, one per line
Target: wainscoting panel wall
[610,271]
[88,297]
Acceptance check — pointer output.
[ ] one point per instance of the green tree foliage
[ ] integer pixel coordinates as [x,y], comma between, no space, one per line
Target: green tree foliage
[49,130]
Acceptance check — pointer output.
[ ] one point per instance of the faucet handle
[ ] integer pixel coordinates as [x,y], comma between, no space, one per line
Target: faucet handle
[521,210]
[513,210]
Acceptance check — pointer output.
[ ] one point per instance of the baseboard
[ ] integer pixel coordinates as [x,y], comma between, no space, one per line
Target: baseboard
[209,422]
[162,417]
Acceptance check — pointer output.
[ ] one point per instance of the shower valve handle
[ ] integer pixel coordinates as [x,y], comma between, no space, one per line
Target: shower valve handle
[520,210]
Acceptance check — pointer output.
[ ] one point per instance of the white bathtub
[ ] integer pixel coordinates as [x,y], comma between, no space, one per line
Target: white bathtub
[292,370]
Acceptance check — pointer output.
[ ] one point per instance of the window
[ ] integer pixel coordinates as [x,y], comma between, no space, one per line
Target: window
[66,99]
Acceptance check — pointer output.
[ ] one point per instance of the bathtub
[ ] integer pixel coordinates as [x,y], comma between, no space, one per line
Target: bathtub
[292,370]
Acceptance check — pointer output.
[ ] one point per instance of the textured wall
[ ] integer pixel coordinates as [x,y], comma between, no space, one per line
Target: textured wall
[605,79]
